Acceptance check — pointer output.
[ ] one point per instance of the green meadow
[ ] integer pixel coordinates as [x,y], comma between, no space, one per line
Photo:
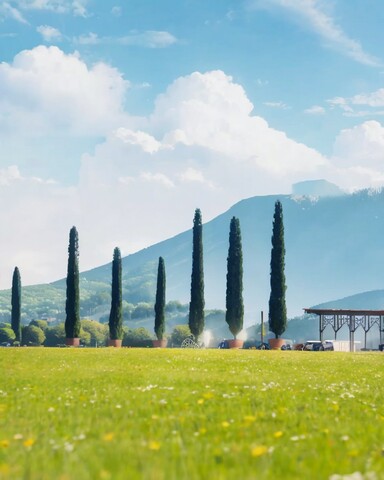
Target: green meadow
[190,414]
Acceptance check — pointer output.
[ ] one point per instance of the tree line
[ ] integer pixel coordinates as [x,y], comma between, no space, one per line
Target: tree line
[234,314]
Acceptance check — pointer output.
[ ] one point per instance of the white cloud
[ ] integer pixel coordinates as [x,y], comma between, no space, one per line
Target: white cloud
[148,143]
[361,145]
[49,34]
[147,39]
[150,38]
[45,89]
[279,105]
[193,175]
[315,110]
[341,103]
[358,156]
[88,39]
[372,100]
[313,15]
[157,178]
[76,7]
[8,11]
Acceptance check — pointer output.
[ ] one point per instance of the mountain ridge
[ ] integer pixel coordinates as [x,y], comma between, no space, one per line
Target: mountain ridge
[333,250]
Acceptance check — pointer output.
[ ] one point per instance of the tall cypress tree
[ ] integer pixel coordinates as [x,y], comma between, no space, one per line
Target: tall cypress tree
[234,315]
[160,300]
[72,305]
[16,304]
[116,315]
[277,307]
[197,303]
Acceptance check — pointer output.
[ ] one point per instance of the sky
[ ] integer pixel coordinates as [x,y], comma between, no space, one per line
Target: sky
[122,117]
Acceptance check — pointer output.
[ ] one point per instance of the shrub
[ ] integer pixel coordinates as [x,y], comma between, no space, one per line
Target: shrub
[179,334]
[137,337]
[43,324]
[55,336]
[32,336]
[7,335]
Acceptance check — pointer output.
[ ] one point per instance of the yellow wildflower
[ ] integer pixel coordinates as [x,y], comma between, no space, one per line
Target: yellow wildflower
[259,450]
[250,418]
[108,437]
[4,443]
[28,442]
[153,445]
[278,434]
[225,424]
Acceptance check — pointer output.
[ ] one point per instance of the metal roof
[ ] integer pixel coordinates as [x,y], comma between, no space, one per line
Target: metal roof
[340,311]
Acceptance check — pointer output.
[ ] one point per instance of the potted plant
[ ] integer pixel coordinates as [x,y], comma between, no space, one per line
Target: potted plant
[277,306]
[115,316]
[234,296]
[72,306]
[160,306]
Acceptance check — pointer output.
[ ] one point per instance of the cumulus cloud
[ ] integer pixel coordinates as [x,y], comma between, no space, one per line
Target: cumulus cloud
[358,156]
[313,15]
[45,89]
[202,146]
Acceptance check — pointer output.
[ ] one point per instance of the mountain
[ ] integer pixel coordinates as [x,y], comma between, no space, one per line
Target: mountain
[334,249]
[374,300]
[316,188]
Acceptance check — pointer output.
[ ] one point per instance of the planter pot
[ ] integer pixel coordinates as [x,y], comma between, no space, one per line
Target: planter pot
[276,343]
[115,343]
[235,343]
[72,342]
[159,343]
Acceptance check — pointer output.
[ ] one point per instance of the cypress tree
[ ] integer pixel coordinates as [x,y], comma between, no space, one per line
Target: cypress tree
[277,307]
[16,304]
[234,315]
[160,300]
[116,316]
[197,303]
[72,304]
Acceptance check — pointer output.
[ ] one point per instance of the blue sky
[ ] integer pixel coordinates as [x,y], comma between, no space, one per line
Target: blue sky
[114,112]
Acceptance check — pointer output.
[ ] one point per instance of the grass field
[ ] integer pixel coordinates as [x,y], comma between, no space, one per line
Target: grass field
[190,414]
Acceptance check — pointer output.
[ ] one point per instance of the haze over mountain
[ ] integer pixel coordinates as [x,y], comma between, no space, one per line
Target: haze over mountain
[334,249]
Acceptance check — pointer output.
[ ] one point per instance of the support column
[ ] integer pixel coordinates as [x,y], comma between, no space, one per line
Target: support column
[351,333]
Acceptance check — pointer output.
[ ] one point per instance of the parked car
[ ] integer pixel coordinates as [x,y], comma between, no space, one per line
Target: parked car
[317,345]
[256,345]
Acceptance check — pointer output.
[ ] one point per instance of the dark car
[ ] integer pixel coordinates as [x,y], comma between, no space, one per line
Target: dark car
[255,345]
[318,346]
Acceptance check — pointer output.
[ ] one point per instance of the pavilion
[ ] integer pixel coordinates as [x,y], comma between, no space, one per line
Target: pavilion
[354,319]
